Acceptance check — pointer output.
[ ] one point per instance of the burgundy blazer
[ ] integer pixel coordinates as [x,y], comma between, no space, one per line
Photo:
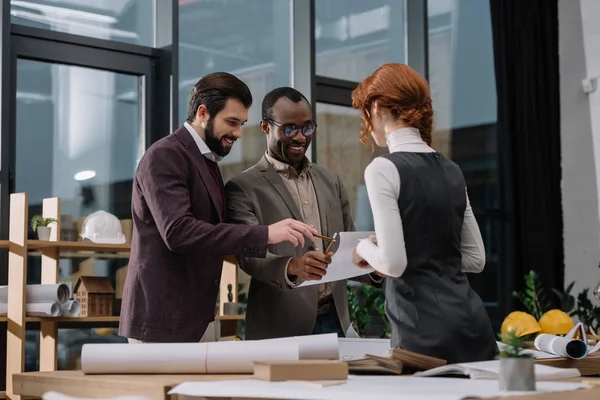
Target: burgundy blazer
[178,244]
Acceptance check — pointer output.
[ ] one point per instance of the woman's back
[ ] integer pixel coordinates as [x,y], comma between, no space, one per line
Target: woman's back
[431,306]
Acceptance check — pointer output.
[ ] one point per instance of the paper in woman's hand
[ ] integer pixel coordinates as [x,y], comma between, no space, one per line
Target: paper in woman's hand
[341,266]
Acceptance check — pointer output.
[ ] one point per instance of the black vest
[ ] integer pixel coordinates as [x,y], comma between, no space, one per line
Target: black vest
[431,307]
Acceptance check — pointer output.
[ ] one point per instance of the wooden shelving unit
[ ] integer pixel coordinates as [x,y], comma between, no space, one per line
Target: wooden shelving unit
[20,247]
[108,319]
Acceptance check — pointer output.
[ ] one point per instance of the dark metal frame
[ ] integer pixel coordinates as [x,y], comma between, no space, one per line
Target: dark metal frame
[5,106]
[158,66]
[6,103]
[53,47]
[338,92]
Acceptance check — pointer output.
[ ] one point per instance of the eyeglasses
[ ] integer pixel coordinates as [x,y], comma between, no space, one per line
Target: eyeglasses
[291,130]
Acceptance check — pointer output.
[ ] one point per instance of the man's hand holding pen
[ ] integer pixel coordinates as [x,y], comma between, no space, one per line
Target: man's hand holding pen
[312,266]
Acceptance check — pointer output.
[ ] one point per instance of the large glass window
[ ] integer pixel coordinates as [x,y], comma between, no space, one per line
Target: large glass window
[78,137]
[250,39]
[129,21]
[463,86]
[354,37]
[339,149]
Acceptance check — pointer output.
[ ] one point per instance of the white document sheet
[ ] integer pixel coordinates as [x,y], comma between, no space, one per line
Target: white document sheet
[534,353]
[313,347]
[351,332]
[357,348]
[232,357]
[341,266]
[361,388]
[52,395]
[491,370]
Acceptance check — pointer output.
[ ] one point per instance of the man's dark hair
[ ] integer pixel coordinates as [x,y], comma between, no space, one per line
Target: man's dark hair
[213,90]
[275,94]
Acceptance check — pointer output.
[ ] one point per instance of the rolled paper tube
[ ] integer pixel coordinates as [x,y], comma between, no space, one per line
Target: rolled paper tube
[48,293]
[43,309]
[561,346]
[71,308]
[36,309]
[41,293]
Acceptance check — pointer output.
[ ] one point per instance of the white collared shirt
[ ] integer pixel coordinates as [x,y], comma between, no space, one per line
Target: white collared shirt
[383,187]
[201,144]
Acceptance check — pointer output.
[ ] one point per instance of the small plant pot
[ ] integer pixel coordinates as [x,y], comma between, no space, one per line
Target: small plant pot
[517,374]
[43,232]
[231,309]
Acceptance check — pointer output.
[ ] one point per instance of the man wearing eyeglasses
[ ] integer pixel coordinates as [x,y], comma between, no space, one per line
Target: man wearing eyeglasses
[285,184]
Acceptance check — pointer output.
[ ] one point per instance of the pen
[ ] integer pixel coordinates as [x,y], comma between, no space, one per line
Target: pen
[323,237]
[331,242]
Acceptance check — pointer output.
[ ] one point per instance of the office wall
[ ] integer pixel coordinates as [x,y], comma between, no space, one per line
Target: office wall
[580,132]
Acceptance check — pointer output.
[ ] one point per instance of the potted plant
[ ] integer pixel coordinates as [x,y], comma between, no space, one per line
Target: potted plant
[517,369]
[40,224]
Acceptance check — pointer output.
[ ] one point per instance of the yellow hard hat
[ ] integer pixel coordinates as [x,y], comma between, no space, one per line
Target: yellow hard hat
[520,323]
[105,331]
[556,322]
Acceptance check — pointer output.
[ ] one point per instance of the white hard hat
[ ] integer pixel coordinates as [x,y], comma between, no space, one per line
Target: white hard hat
[102,227]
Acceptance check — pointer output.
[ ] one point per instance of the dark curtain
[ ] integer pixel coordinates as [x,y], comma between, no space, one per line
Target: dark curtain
[525,34]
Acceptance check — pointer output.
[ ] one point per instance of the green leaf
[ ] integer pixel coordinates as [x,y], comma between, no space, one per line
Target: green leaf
[569,288]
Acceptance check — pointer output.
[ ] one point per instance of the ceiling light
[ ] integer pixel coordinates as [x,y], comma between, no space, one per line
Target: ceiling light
[84,175]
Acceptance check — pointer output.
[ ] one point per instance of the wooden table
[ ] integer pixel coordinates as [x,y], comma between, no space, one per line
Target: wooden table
[155,387]
[75,383]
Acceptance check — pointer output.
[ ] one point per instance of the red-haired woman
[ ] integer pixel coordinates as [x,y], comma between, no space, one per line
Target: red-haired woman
[427,237]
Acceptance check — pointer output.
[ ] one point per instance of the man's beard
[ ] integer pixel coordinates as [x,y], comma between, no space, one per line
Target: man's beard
[213,142]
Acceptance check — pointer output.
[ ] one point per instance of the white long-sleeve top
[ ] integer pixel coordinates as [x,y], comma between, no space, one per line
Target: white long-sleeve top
[382,180]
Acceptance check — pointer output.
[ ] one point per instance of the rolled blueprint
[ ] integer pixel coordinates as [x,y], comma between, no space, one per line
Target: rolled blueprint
[236,357]
[71,308]
[36,309]
[48,293]
[314,347]
[70,286]
[41,293]
[561,346]
[43,309]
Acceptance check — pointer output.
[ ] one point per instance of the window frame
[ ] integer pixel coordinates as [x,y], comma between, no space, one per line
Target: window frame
[155,65]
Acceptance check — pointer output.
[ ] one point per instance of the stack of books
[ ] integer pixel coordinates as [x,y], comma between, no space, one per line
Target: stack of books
[397,362]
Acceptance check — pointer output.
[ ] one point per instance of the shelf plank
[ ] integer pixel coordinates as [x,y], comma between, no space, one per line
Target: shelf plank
[231,317]
[108,319]
[67,319]
[4,245]
[77,246]
[74,319]
[83,254]
[2,395]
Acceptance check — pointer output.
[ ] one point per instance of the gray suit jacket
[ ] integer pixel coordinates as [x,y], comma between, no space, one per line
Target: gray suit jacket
[259,196]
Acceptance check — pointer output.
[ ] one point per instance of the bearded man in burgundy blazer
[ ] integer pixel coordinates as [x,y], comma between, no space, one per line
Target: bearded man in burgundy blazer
[179,238]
